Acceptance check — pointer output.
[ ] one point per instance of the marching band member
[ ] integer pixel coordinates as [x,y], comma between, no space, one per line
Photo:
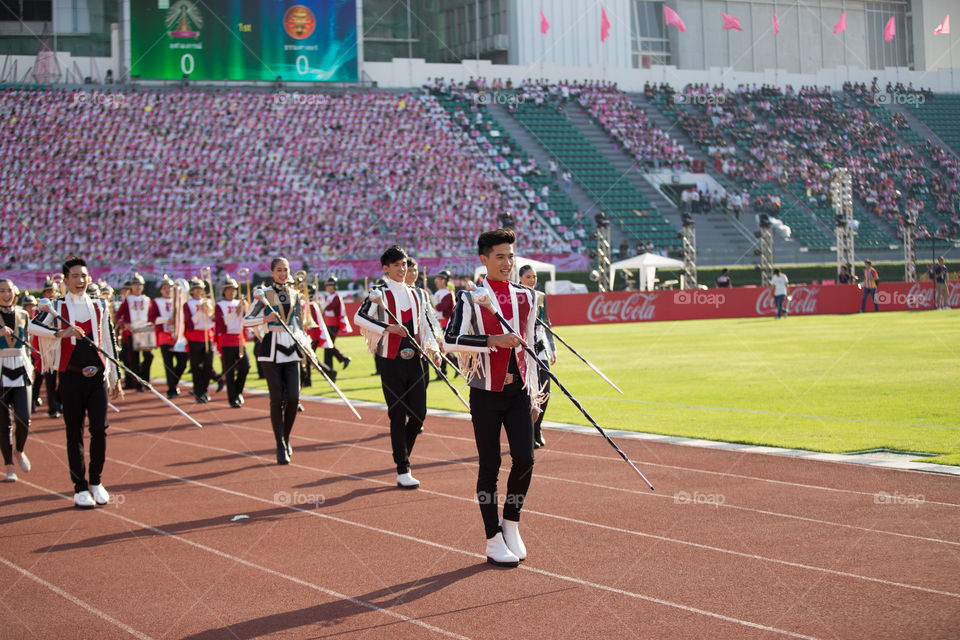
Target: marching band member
[53,401]
[336,321]
[503,390]
[426,300]
[402,373]
[228,318]
[85,376]
[162,317]
[545,347]
[443,303]
[320,337]
[16,379]
[278,353]
[134,313]
[198,327]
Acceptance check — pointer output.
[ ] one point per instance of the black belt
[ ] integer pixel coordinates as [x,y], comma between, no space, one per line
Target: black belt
[86,372]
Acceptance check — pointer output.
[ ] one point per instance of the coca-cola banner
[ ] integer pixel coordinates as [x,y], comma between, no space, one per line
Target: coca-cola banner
[342,269]
[740,302]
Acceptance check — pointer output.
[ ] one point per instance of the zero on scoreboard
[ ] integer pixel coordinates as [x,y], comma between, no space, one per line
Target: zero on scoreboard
[309,40]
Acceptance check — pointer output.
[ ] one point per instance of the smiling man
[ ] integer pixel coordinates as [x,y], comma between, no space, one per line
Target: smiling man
[504,389]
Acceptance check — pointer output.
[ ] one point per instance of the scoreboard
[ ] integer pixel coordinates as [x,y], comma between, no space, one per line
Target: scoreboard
[307,40]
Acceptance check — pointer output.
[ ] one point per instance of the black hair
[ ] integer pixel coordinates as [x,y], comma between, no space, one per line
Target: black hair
[411,262]
[725,270]
[776,271]
[489,239]
[392,254]
[276,261]
[74,261]
[524,269]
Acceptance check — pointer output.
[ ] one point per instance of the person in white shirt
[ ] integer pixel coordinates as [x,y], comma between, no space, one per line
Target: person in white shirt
[16,379]
[779,282]
[85,376]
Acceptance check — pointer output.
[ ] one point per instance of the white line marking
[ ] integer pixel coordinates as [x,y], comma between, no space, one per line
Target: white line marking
[69,596]
[223,554]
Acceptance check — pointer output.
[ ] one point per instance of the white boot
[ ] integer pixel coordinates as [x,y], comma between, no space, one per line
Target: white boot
[11,474]
[511,536]
[499,554]
[100,494]
[22,460]
[407,481]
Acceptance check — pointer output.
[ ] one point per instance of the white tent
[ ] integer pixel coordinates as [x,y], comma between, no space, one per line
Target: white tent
[518,262]
[647,263]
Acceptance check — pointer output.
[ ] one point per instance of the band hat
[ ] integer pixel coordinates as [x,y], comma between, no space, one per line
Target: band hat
[48,284]
[197,283]
[93,290]
[230,282]
[330,281]
[166,280]
[446,275]
[137,278]
[28,299]
[311,289]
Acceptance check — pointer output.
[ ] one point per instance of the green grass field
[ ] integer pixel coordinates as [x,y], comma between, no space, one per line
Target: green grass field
[825,383]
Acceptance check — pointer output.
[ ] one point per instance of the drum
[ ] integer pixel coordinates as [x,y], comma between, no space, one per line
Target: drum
[144,337]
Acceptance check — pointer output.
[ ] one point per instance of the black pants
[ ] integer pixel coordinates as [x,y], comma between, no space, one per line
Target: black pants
[405,390]
[201,366]
[236,365]
[53,394]
[489,410]
[14,399]
[174,364]
[333,352]
[283,381]
[140,366]
[84,397]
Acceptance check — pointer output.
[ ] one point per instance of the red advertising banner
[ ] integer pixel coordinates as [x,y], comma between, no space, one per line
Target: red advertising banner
[739,302]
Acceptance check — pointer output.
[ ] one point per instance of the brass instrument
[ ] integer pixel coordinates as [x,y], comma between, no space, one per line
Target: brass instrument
[205,275]
[59,287]
[243,275]
[300,280]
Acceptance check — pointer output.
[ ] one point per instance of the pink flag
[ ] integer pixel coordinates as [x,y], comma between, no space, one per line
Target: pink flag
[672,17]
[604,25]
[841,23]
[776,25]
[544,25]
[890,30]
[730,22]
[944,27]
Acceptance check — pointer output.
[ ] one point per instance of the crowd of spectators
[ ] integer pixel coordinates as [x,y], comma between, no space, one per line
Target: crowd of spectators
[209,175]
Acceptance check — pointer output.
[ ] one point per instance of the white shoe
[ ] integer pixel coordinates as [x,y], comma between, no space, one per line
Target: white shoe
[407,481]
[511,536]
[83,500]
[22,460]
[11,474]
[100,494]
[499,553]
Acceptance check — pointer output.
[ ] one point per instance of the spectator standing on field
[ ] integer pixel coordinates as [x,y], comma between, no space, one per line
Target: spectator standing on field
[870,281]
[940,284]
[779,282]
[723,280]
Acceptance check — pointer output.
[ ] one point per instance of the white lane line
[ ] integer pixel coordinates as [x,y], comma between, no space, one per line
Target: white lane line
[553,451]
[223,554]
[402,536]
[646,494]
[69,596]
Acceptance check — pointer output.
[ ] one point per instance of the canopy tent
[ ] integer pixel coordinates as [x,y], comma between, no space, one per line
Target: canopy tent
[518,262]
[647,263]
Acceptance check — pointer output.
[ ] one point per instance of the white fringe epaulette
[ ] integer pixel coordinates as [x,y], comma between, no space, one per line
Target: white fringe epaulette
[372,338]
[49,353]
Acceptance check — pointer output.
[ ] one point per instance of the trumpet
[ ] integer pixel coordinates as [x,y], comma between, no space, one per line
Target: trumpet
[243,275]
[300,279]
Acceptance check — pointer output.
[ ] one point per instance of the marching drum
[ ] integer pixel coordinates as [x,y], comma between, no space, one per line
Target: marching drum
[144,337]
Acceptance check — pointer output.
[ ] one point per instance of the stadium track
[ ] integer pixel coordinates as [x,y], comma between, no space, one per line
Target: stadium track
[731,545]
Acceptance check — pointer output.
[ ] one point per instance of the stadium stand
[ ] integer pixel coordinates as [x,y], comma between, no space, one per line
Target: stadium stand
[193,175]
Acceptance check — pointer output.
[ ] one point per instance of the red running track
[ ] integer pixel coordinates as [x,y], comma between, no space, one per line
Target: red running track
[731,545]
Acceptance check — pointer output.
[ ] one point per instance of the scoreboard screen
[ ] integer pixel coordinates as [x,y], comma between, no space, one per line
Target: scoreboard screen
[309,40]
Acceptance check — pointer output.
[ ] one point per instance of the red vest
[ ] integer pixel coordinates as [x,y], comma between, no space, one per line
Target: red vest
[66,344]
[393,340]
[500,359]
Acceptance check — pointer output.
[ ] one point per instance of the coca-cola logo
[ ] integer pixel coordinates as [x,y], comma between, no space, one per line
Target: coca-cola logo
[639,306]
[801,300]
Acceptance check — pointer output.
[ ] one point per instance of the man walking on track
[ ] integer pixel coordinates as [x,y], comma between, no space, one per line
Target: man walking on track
[504,389]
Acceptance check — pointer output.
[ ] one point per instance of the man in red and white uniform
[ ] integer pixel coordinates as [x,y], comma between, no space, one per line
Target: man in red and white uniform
[443,304]
[198,328]
[319,336]
[134,309]
[336,321]
[86,376]
[162,317]
[228,318]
